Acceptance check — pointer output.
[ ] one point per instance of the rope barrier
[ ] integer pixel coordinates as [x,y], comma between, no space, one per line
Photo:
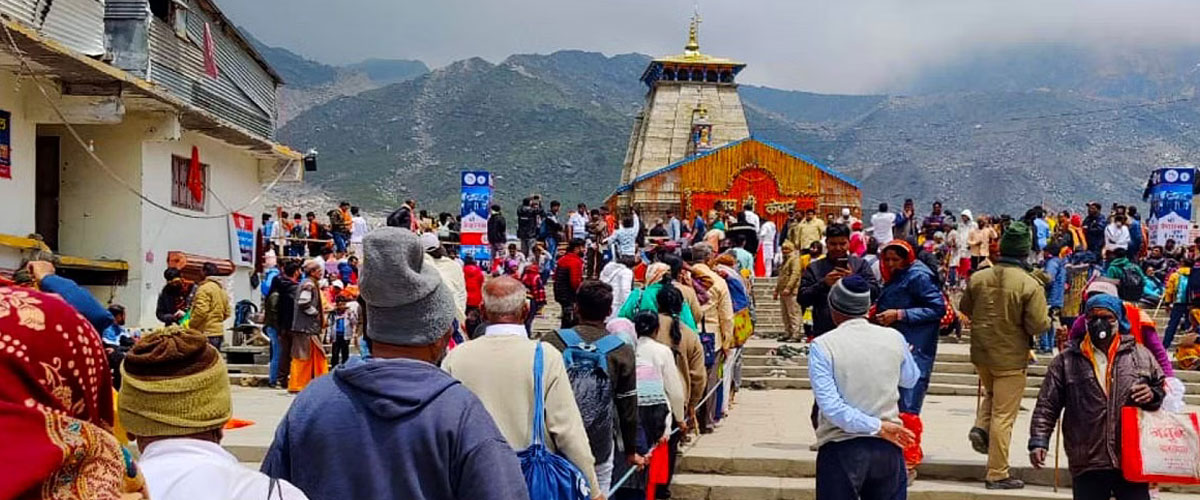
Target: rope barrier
[629,473]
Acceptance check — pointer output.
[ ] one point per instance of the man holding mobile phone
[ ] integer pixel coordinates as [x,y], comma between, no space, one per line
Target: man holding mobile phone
[822,274]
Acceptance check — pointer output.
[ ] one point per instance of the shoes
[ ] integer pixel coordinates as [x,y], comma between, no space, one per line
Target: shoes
[979,440]
[1010,483]
[812,447]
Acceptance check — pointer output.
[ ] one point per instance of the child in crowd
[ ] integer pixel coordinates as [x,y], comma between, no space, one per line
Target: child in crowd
[660,398]
[535,291]
[341,328]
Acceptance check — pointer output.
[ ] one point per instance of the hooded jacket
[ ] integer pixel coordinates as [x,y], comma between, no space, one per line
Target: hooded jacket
[912,291]
[393,428]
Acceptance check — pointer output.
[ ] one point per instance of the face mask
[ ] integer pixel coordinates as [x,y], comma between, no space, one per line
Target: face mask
[1099,328]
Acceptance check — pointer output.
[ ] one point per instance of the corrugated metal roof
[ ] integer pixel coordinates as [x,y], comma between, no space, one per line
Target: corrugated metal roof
[79,24]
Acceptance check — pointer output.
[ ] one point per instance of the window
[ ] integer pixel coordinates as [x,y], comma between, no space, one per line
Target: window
[161,9]
[172,12]
[181,196]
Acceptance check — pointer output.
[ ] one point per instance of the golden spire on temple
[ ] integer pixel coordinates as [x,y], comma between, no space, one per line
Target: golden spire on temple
[693,46]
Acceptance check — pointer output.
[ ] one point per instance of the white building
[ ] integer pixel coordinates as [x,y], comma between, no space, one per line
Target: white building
[129,77]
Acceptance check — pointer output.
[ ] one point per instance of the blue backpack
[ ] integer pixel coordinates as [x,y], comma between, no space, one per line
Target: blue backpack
[548,476]
[587,367]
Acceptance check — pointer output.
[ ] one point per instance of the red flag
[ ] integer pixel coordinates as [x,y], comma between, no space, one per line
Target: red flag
[195,177]
[658,469]
[210,54]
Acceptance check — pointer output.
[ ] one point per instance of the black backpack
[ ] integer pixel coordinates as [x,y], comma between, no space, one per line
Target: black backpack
[587,367]
[1130,287]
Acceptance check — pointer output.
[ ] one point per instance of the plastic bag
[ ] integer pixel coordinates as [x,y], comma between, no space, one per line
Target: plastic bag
[1173,401]
[1160,446]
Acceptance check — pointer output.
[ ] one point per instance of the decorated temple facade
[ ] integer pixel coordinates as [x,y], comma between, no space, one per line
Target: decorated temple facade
[691,149]
[772,178]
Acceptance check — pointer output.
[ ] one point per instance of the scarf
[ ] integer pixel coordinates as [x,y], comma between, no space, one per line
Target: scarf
[56,404]
[903,247]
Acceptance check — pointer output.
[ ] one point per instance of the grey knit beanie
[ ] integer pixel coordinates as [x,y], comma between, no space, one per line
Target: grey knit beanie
[851,296]
[407,303]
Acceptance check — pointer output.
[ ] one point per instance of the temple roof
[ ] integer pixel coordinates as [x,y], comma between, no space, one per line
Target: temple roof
[799,156]
[691,57]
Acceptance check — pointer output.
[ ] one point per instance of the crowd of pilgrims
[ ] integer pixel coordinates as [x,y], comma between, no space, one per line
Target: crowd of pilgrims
[647,354]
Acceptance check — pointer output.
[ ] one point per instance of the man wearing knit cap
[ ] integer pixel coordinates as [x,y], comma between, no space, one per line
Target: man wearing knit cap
[174,401]
[1007,308]
[855,370]
[396,426]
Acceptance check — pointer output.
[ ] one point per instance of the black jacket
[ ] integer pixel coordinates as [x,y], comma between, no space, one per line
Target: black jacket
[1093,232]
[527,222]
[170,299]
[814,292]
[497,229]
[285,305]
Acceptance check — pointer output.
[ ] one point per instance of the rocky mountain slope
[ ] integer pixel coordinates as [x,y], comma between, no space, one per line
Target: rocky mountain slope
[308,83]
[558,124]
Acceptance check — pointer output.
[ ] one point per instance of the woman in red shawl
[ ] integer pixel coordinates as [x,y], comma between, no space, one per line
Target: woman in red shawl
[911,302]
[56,405]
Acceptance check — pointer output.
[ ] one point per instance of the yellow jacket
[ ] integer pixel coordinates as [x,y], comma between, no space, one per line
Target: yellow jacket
[1173,284]
[210,309]
[789,275]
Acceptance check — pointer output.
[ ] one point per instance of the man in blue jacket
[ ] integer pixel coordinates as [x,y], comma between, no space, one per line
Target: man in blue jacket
[396,426]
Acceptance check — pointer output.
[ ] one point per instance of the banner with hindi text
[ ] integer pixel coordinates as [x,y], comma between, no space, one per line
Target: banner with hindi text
[1170,194]
[476,203]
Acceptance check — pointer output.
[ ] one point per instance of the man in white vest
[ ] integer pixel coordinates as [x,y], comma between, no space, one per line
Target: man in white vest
[855,371]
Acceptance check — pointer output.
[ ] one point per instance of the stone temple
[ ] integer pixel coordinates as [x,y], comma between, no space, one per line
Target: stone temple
[691,149]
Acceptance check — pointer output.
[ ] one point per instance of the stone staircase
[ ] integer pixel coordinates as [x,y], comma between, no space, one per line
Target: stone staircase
[953,373]
[768,313]
[762,452]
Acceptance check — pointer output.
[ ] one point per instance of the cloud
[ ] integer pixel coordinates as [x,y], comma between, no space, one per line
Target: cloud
[851,46]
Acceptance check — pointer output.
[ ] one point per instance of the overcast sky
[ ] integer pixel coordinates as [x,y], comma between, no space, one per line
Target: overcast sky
[850,46]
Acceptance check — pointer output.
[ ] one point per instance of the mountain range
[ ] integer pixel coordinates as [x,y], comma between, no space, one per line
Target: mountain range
[559,124]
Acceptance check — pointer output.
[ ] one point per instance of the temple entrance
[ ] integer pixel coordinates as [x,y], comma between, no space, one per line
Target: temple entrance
[751,185]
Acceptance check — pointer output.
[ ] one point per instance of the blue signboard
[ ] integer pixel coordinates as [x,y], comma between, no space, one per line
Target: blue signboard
[476,203]
[1170,193]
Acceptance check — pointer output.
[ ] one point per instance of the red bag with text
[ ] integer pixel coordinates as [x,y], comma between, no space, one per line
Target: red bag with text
[1160,446]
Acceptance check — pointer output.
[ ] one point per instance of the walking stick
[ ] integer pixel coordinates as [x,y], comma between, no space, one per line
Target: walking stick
[1057,439]
[978,393]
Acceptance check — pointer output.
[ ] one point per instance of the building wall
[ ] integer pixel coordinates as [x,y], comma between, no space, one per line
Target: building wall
[665,135]
[17,194]
[99,218]
[233,176]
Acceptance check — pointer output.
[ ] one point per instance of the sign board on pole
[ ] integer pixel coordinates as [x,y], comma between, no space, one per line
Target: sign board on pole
[1170,193]
[476,203]
[5,144]
[241,239]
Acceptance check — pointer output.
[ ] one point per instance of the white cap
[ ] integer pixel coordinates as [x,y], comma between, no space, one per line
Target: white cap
[429,241]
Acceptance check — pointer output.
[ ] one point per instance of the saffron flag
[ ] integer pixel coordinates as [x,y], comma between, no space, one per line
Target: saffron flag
[195,177]
[210,54]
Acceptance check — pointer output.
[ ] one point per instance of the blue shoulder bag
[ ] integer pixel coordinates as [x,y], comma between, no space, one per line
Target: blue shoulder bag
[547,475]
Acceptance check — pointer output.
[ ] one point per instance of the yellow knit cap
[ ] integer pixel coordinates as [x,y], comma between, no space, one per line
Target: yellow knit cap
[174,384]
